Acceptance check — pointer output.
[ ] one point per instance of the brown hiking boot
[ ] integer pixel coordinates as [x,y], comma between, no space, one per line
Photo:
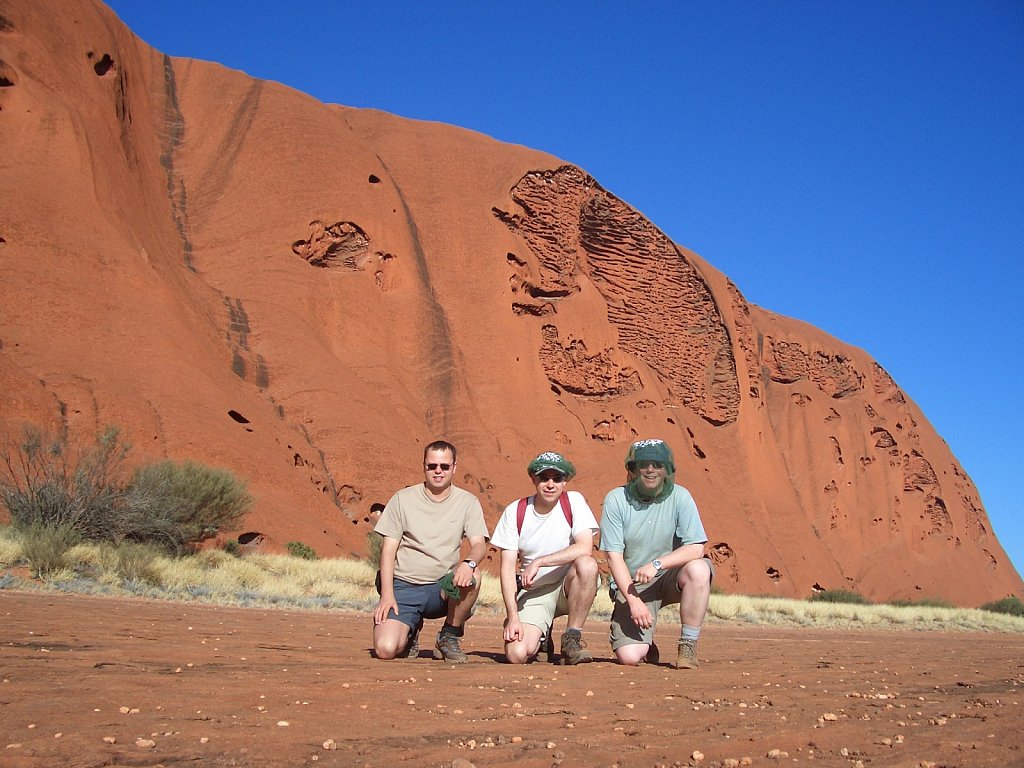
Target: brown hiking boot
[574,650]
[447,648]
[686,654]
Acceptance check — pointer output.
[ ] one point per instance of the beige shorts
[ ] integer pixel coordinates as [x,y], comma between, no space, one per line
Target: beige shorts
[661,591]
[541,606]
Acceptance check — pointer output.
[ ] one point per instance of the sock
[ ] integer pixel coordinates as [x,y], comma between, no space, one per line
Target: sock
[448,629]
[576,630]
[689,633]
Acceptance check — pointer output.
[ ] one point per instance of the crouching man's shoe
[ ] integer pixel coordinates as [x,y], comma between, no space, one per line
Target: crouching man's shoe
[686,654]
[573,649]
[447,648]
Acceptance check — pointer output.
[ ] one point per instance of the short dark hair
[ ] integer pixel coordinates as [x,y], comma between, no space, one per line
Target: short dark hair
[440,445]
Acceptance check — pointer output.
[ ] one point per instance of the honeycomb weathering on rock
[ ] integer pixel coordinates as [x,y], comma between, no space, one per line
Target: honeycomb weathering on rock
[918,474]
[572,369]
[342,244]
[664,312]
[833,374]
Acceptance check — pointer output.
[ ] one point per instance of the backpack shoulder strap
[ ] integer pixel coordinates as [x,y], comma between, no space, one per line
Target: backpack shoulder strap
[563,501]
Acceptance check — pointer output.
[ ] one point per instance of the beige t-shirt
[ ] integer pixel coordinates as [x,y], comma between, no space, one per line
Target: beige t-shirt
[429,532]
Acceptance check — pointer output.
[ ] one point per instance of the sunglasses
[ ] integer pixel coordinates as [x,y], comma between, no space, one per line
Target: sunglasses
[558,477]
[444,467]
[635,465]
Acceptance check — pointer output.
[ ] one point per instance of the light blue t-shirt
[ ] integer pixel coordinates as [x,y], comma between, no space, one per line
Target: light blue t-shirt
[642,531]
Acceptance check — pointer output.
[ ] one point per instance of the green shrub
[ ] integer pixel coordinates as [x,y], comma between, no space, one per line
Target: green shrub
[178,505]
[373,544]
[1011,605]
[839,596]
[304,551]
[232,547]
[45,546]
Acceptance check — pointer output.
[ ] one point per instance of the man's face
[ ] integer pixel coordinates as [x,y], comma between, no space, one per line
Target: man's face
[438,470]
[651,474]
[550,483]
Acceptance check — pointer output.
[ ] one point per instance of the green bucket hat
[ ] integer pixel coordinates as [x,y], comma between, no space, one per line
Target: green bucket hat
[651,450]
[551,460]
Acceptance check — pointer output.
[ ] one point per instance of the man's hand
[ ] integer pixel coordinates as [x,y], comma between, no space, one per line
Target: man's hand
[513,630]
[645,573]
[463,576]
[384,606]
[640,613]
[529,573]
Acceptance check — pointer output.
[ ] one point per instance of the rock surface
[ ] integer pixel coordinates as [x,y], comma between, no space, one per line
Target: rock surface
[307,294]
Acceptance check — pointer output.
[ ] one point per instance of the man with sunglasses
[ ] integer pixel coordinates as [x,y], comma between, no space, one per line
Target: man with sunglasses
[421,575]
[654,541]
[552,534]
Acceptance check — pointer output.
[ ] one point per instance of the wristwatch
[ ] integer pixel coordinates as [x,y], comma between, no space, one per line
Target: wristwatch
[471,563]
[657,564]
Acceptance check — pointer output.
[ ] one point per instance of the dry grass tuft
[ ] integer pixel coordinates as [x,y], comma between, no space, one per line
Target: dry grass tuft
[266,580]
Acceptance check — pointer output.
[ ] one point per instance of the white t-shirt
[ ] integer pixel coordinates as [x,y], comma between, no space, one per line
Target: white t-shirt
[543,534]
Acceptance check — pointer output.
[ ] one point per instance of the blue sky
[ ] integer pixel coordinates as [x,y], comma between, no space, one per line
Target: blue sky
[859,166]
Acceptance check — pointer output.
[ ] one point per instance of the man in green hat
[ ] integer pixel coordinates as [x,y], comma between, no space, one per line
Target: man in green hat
[551,533]
[421,576]
[654,541]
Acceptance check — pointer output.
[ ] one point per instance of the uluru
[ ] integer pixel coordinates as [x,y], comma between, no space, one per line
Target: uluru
[307,294]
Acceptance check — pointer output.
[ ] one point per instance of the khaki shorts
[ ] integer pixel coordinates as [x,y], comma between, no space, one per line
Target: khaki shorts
[541,606]
[661,591]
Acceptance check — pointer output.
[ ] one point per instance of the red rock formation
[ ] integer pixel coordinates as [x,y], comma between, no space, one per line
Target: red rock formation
[307,294]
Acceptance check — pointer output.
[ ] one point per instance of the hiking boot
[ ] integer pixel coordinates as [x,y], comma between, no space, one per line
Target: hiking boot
[653,655]
[447,648]
[412,648]
[574,650]
[686,654]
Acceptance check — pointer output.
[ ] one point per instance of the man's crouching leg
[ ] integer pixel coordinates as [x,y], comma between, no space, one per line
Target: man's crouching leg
[580,590]
[459,610]
[695,586]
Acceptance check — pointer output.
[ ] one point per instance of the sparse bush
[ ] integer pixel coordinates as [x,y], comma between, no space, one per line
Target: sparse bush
[44,546]
[1011,605]
[45,481]
[839,596]
[303,551]
[177,505]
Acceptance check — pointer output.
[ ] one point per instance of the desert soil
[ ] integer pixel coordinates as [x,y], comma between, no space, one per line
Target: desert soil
[91,681]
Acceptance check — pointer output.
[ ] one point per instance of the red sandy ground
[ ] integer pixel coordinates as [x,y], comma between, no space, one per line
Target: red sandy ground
[251,687]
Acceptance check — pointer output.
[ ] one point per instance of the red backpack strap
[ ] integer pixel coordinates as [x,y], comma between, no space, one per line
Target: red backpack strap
[563,502]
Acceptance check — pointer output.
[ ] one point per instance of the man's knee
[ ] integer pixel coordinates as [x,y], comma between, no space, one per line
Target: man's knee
[516,654]
[585,567]
[696,573]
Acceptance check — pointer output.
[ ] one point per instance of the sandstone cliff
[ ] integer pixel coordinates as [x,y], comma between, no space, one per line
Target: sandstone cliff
[307,294]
